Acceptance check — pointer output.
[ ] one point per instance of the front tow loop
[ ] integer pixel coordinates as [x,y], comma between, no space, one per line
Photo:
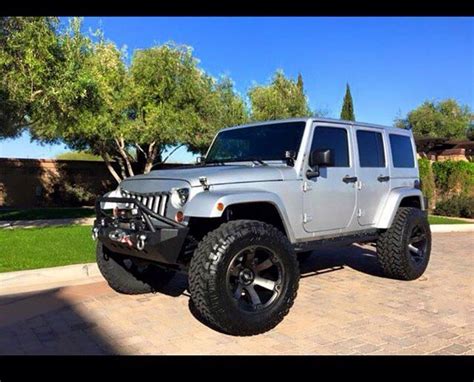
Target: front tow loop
[95,233]
[141,242]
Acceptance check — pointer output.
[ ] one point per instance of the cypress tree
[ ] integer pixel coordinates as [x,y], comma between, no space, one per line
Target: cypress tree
[347,112]
[300,82]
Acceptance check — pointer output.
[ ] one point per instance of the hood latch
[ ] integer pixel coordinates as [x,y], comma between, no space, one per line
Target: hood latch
[203,181]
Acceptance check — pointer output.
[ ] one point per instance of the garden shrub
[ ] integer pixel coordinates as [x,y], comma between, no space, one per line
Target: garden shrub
[427,180]
[454,178]
[458,205]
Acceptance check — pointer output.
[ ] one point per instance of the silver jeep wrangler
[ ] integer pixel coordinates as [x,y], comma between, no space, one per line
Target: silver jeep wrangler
[266,195]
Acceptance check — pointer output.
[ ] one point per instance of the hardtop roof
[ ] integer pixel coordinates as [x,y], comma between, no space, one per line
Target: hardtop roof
[318,119]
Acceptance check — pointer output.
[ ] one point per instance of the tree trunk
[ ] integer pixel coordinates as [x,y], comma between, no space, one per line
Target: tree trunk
[152,151]
[111,169]
[121,149]
[142,157]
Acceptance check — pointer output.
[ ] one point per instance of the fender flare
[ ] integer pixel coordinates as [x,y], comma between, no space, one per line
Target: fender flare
[392,203]
[204,204]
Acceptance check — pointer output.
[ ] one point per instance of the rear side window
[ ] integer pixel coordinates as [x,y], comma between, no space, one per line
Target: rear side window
[402,151]
[335,139]
[370,145]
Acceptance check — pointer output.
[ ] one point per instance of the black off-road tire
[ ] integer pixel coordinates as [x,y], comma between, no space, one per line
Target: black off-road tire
[392,245]
[124,275]
[208,275]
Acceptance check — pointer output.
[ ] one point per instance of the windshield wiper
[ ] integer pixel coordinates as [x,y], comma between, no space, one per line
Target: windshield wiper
[252,159]
[219,162]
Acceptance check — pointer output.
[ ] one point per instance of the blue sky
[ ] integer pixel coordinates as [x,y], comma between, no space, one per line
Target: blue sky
[391,64]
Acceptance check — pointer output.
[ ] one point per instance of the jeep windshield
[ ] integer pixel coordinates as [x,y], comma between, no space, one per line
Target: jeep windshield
[256,143]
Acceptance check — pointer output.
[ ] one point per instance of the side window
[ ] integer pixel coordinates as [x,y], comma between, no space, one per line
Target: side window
[402,151]
[370,146]
[333,138]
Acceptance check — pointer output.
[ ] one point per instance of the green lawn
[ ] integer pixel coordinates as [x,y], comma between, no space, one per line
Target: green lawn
[46,213]
[31,248]
[445,220]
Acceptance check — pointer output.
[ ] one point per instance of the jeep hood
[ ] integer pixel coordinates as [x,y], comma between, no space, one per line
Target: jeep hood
[219,174]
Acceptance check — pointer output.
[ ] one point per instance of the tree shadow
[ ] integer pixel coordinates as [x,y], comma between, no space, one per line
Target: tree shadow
[49,323]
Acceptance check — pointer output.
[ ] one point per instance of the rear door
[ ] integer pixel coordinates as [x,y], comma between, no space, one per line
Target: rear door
[373,173]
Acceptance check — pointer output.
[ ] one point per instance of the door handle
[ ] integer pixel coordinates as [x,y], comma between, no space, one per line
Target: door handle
[349,179]
[382,178]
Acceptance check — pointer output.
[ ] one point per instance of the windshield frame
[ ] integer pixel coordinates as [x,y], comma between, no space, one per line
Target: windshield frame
[256,125]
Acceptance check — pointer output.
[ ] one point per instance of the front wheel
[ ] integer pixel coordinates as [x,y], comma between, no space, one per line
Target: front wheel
[128,275]
[404,249]
[243,277]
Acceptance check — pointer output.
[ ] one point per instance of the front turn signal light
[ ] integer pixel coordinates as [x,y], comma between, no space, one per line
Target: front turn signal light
[179,216]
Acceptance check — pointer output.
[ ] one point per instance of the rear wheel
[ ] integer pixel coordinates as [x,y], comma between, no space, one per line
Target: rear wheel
[404,249]
[128,275]
[244,277]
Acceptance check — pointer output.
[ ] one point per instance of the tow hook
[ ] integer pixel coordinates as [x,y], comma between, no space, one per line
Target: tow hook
[141,242]
[95,233]
[120,236]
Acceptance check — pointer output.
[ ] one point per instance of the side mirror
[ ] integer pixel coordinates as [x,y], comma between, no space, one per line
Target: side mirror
[317,159]
[321,158]
[200,160]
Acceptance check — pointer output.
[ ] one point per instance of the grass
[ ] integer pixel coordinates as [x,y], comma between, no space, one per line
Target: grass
[445,220]
[46,213]
[32,248]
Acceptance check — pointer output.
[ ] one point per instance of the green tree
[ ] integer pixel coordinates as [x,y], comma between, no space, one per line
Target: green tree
[444,119]
[282,98]
[222,107]
[78,155]
[29,58]
[173,102]
[69,87]
[347,112]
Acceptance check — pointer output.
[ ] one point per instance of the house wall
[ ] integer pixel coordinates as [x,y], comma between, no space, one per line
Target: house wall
[26,183]
[46,182]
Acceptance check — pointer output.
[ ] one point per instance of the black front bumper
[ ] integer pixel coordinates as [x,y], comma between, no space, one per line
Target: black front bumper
[162,243]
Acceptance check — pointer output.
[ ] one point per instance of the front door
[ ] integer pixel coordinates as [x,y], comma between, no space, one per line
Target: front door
[330,199]
[373,174]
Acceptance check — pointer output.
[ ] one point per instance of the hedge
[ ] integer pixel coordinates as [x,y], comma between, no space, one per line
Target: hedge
[454,178]
[449,185]
[458,205]
[427,180]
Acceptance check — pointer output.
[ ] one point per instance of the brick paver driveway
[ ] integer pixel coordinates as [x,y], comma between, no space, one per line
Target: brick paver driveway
[343,306]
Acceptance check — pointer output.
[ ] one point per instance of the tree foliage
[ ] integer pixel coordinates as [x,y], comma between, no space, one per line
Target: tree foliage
[78,155]
[29,57]
[70,87]
[444,119]
[347,112]
[282,98]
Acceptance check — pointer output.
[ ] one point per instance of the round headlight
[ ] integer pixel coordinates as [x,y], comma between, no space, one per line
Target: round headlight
[179,197]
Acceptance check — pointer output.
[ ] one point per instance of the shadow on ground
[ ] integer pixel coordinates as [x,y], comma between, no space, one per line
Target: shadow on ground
[362,259]
[50,323]
[56,321]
